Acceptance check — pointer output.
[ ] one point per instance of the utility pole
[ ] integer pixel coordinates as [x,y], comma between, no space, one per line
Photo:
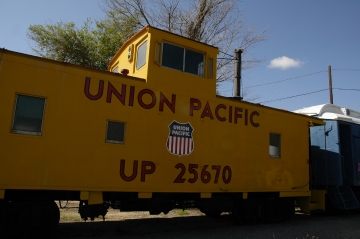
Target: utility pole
[330,85]
[237,78]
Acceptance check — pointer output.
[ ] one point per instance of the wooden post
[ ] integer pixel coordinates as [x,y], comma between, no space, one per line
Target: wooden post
[237,77]
[330,86]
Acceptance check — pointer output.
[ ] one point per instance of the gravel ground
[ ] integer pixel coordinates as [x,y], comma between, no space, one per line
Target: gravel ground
[193,224]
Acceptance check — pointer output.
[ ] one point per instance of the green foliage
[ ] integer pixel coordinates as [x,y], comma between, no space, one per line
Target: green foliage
[93,45]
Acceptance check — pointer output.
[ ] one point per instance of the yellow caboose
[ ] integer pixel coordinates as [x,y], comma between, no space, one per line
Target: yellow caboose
[150,134]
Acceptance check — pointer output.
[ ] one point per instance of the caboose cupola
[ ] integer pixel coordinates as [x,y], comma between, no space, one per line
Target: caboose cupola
[168,60]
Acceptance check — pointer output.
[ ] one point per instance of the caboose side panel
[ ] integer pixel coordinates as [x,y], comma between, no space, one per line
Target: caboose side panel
[72,146]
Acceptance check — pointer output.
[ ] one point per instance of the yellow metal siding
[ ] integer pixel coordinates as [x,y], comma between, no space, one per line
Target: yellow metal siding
[72,153]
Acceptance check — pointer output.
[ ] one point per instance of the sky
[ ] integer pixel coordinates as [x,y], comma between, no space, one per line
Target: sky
[306,37]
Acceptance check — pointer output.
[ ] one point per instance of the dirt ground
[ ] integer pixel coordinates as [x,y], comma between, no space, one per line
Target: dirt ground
[69,213]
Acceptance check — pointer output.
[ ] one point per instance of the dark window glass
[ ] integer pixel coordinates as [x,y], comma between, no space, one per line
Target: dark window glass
[181,59]
[173,57]
[274,145]
[194,63]
[141,55]
[28,117]
[115,132]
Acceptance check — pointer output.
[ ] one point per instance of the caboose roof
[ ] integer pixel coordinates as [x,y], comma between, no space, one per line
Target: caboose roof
[331,111]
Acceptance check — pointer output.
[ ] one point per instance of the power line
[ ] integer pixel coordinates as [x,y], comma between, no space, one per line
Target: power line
[292,78]
[275,82]
[297,77]
[232,57]
[346,69]
[289,97]
[293,96]
[346,89]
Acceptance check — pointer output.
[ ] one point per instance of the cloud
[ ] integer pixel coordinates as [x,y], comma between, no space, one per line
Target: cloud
[285,63]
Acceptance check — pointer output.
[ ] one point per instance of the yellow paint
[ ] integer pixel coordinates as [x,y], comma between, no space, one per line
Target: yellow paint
[84,196]
[304,204]
[205,195]
[2,194]
[144,195]
[95,198]
[71,153]
[315,201]
[294,194]
[245,195]
[318,197]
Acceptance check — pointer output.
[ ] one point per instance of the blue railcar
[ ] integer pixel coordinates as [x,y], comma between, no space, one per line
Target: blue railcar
[335,155]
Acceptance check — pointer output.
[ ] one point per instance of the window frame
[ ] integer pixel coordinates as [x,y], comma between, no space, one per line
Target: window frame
[34,133]
[276,146]
[183,59]
[115,69]
[143,57]
[210,67]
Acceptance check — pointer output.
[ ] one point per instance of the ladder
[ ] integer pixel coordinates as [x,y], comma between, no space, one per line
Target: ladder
[342,197]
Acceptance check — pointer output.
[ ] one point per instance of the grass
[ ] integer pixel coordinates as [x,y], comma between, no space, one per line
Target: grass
[182,212]
[70,218]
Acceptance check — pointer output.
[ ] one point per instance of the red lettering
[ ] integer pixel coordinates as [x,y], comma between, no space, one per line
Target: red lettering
[205,175]
[221,106]
[87,89]
[238,114]
[131,97]
[207,111]
[217,168]
[179,178]
[122,171]
[246,116]
[195,104]
[226,178]
[153,98]
[163,100]
[147,167]
[112,90]
[230,114]
[252,120]
[192,170]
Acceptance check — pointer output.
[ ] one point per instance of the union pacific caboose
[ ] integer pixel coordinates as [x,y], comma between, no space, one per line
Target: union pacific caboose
[150,134]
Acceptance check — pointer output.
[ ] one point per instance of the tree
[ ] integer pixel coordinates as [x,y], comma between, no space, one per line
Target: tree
[215,22]
[92,45]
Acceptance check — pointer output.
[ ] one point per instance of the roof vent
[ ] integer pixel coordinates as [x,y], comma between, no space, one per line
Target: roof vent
[345,111]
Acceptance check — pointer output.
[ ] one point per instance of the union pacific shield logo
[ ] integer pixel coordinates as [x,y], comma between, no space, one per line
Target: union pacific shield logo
[180,141]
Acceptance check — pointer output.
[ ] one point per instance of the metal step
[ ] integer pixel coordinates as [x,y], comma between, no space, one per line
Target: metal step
[342,197]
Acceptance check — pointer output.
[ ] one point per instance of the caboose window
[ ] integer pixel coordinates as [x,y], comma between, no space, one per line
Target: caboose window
[116,69]
[182,59]
[29,114]
[115,132]
[141,55]
[173,57]
[274,145]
